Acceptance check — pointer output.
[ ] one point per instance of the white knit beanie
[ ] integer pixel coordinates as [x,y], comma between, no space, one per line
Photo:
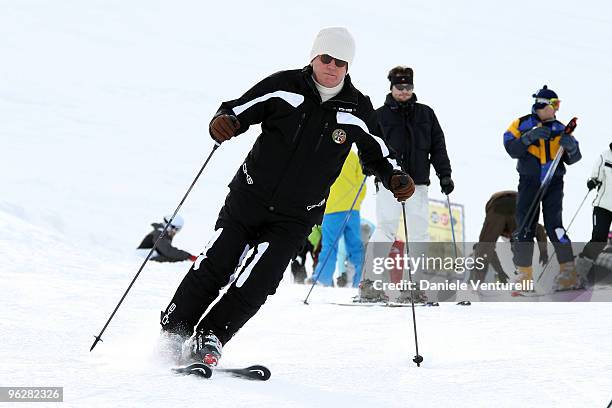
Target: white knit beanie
[334,41]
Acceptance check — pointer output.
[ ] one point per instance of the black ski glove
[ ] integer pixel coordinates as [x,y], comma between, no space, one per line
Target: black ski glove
[593,183]
[535,134]
[568,143]
[447,185]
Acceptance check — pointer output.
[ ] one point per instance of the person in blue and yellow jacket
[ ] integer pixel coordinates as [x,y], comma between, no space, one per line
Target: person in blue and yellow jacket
[341,197]
[534,140]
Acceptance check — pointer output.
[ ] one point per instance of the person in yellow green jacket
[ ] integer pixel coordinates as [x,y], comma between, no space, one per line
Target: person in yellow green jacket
[341,197]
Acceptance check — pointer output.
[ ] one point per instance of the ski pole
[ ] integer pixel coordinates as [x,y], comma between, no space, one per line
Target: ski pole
[99,336]
[348,215]
[418,359]
[525,227]
[566,231]
[450,214]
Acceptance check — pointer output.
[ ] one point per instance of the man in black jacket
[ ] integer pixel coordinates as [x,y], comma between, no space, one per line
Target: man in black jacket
[309,119]
[416,141]
[164,251]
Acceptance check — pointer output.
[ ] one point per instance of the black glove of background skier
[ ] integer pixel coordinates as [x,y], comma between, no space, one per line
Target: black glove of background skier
[568,143]
[536,134]
[593,183]
[224,127]
[447,185]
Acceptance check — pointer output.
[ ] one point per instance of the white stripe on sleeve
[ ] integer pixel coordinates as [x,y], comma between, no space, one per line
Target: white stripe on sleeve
[291,98]
[345,118]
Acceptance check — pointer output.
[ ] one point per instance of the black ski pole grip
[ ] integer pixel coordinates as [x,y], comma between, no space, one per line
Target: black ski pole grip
[403,180]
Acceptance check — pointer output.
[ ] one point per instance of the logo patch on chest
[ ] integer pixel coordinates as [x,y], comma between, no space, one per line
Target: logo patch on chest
[339,136]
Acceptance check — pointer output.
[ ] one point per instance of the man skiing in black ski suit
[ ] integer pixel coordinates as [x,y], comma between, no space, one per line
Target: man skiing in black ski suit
[309,119]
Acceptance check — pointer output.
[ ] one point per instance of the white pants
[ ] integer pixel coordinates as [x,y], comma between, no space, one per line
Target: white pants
[388,216]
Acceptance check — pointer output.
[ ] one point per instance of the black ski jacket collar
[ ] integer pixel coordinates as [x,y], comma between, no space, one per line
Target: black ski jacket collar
[395,105]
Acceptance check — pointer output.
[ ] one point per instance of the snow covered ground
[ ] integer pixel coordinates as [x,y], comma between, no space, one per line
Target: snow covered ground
[103,113]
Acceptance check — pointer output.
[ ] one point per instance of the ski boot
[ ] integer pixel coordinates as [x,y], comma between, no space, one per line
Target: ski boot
[369,294]
[299,270]
[524,276]
[584,266]
[342,280]
[567,279]
[205,347]
[419,297]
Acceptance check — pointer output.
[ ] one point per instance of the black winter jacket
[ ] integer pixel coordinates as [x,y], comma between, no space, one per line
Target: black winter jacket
[165,251]
[415,138]
[303,142]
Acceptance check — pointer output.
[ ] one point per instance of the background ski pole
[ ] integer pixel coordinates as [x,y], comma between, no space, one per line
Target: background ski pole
[566,231]
[99,336]
[348,216]
[418,359]
[533,210]
[450,214]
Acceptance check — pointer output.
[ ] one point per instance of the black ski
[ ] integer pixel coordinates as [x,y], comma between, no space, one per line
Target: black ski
[197,369]
[255,372]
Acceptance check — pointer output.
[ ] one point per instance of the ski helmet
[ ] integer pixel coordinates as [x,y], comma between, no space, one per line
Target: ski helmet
[543,96]
[177,222]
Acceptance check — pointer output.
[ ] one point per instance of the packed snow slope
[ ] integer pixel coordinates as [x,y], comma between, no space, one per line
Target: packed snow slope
[104,109]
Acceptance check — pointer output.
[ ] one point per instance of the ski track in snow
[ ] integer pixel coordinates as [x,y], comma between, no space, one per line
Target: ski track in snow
[105,107]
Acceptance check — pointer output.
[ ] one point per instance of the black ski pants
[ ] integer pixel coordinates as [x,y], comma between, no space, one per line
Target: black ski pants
[244,223]
[552,208]
[602,219]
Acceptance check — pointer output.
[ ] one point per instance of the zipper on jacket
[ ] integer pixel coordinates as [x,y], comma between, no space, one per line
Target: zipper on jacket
[297,131]
[321,136]
[290,160]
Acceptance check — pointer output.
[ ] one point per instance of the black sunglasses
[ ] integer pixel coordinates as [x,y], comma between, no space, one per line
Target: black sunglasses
[326,59]
[402,87]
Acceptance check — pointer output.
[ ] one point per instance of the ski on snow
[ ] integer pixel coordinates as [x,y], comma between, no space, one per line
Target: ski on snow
[397,304]
[384,304]
[255,372]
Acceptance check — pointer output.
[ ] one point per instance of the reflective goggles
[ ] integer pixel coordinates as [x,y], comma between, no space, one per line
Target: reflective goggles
[554,102]
[326,59]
